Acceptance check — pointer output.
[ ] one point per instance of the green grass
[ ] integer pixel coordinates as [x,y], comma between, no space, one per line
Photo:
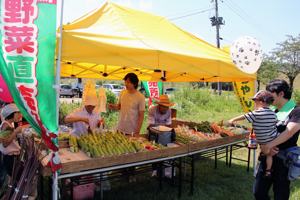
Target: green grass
[210,184]
[201,104]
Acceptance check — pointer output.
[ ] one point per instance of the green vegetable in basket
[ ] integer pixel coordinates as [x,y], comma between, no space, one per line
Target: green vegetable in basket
[204,127]
[5,134]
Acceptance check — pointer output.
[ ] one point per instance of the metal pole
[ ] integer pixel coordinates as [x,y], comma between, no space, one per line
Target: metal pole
[57,87]
[217,25]
[254,162]
[54,186]
[218,37]
[58,60]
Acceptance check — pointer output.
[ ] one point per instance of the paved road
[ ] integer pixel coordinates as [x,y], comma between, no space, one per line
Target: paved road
[70,100]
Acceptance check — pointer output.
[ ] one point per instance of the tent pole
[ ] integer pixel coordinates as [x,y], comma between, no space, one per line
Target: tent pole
[57,87]
[54,186]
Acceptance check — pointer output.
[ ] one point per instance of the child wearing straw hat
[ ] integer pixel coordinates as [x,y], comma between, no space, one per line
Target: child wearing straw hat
[85,119]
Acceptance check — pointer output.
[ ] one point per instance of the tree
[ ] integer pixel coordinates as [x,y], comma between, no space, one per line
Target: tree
[267,71]
[287,57]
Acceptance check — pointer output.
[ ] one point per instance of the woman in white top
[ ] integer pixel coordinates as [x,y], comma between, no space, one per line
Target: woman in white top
[9,146]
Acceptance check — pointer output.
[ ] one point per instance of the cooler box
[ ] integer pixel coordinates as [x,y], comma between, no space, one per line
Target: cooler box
[161,134]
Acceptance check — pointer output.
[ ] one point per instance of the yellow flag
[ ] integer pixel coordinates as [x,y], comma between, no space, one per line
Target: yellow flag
[244,91]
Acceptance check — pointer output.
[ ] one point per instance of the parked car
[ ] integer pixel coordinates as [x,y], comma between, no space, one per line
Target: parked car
[67,90]
[78,89]
[115,88]
[170,90]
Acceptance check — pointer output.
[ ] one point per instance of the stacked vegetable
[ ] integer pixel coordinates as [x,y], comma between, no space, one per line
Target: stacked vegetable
[63,136]
[204,127]
[206,131]
[5,134]
[223,132]
[108,144]
[73,144]
[151,145]
[225,129]
[185,135]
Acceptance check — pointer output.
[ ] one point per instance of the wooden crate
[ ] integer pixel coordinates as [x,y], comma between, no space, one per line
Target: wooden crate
[215,143]
[178,122]
[168,152]
[63,143]
[76,162]
[101,162]
[195,146]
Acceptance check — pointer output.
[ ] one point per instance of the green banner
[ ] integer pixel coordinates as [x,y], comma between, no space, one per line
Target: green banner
[28,39]
[153,89]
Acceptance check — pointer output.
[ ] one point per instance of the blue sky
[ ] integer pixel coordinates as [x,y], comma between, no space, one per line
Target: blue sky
[269,21]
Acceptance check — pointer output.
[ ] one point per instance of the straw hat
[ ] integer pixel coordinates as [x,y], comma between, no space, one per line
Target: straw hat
[8,110]
[164,101]
[89,96]
[90,101]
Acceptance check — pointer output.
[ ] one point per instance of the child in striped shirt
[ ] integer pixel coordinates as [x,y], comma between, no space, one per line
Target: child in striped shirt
[263,121]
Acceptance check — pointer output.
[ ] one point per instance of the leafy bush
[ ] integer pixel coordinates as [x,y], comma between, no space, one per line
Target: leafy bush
[65,109]
[110,117]
[111,97]
[203,104]
[296,96]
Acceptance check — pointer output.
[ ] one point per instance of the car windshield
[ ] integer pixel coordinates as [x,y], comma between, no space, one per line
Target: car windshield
[117,87]
[66,87]
[170,89]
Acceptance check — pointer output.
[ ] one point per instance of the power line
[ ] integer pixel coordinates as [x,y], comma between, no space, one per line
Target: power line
[239,8]
[248,18]
[237,12]
[185,12]
[244,16]
[191,14]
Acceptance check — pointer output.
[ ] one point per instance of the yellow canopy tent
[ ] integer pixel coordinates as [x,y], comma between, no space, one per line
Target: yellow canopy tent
[113,40]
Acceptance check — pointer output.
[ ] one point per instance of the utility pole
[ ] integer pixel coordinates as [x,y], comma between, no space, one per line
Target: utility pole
[217,24]
[217,21]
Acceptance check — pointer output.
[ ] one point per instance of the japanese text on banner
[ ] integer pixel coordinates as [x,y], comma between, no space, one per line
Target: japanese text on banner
[153,89]
[28,30]
[244,91]
[19,39]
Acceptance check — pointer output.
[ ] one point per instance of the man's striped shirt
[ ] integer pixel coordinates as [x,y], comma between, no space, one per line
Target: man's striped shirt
[264,124]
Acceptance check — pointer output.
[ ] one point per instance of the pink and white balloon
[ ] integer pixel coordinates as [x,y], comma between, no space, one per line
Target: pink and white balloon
[246,54]
[4,91]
